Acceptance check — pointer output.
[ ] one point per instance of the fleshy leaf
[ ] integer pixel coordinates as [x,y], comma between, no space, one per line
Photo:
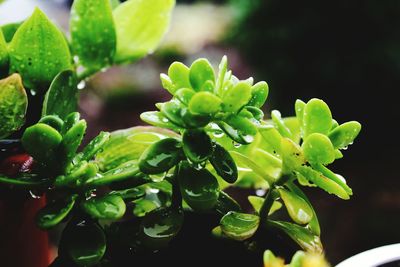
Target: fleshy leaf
[62,97]
[197,145]
[158,119]
[179,75]
[239,226]
[302,236]
[111,207]
[39,51]
[259,94]
[298,209]
[13,105]
[93,33]
[317,117]
[236,97]
[200,72]
[344,134]
[140,26]
[292,156]
[239,129]
[226,204]
[161,156]
[53,213]
[224,164]
[317,148]
[204,103]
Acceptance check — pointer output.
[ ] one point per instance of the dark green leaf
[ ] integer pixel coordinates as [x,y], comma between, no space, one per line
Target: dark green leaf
[224,164]
[226,204]
[161,156]
[199,188]
[53,121]
[93,33]
[197,145]
[111,207]
[84,242]
[72,119]
[62,97]
[140,26]
[39,52]
[239,226]
[72,140]
[194,120]
[9,30]
[53,213]
[13,105]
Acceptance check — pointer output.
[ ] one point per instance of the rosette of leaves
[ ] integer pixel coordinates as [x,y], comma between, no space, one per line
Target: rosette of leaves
[289,152]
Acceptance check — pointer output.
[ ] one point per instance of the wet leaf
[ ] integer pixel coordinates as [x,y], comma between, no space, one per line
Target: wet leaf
[62,97]
[199,188]
[344,135]
[226,204]
[13,105]
[317,148]
[140,26]
[160,226]
[41,142]
[72,140]
[200,72]
[334,177]
[302,236]
[205,103]
[298,209]
[224,164]
[110,207]
[93,33]
[39,51]
[259,94]
[239,129]
[194,120]
[184,95]
[94,146]
[236,97]
[84,242]
[239,226]
[161,156]
[53,213]
[179,75]
[158,119]
[280,124]
[69,121]
[77,176]
[53,121]
[317,117]
[173,111]
[197,145]
[292,156]
[322,182]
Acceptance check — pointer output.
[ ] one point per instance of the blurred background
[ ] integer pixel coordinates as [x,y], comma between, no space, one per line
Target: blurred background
[346,52]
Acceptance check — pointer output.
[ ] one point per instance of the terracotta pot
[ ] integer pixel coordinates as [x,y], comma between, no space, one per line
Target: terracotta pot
[22,244]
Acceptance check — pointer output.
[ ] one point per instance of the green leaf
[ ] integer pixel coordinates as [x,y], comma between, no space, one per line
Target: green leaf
[160,226]
[317,117]
[344,135]
[317,148]
[9,30]
[72,140]
[200,72]
[110,207]
[94,146]
[322,182]
[77,176]
[297,260]
[236,97]
[226,204]
[334,177]
[53,121]
[39,52]
[13,105]
[62,97]
[280,124]
[93,33]
[239,226]
[161,156]
[28,182]
[302,236]
[69,121]
[299,109]
[205,103]
[314,223]
[140,26]
[173,111]
[292,156]
[41,142]
[192,120]
[3,55]
[239,129]
[84,242]
[129,144]
[199,188]
[224,164]
[298,209]
[53,213]
[259,94]
[197,145]
[158,119]
[179,75]
[184,95]
[223,68]
[257,202]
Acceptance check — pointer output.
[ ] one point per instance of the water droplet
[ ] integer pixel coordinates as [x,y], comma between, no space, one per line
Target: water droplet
[33,92]
[81,85]
[34,194]
[260,192]
[237,145]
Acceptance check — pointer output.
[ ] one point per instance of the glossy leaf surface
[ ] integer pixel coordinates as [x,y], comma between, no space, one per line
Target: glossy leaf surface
[317,148]
[344,134]
[239,226]
[224,164]
[298,209]
[55,212]
[110,207]
[317,117]
[197,145]
[200,72]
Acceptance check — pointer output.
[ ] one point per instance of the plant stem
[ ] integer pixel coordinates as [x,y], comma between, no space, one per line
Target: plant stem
[266,207]
[176,192]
